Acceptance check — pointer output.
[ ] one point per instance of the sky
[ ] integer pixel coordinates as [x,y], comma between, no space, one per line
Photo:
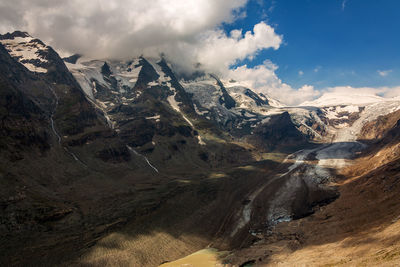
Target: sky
[330,43]
[292,50]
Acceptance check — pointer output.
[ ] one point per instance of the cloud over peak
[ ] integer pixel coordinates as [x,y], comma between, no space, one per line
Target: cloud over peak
[116,28]
[185,31]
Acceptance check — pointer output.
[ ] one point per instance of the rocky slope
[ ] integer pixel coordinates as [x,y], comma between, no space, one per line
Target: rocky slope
[360,228]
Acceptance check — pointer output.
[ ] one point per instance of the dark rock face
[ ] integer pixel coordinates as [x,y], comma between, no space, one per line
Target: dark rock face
[181,95]
[105,70]
[23,125]
[278,132]
[146,75]
[225,99]
[43,115]
[256,98]
[308,196]
[14,35]
[72,59]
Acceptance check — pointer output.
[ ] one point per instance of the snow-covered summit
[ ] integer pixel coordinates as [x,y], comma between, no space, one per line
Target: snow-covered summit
[124,74]
[331,99]
[235,85]
[118,85]
[27,50]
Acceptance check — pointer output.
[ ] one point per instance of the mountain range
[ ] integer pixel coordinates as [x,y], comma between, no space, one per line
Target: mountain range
[128,162]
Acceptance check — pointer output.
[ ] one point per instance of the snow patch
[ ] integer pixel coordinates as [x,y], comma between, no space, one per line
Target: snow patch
[156,118]
[175,105]
[26,51]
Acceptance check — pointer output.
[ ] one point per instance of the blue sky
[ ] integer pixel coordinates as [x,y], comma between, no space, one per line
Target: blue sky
[329,43]
[320,44]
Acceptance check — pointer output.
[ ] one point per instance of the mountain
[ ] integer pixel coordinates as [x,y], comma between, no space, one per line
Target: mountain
[360,228]
[131,146]
[232,108]
[330,99]
[127,162]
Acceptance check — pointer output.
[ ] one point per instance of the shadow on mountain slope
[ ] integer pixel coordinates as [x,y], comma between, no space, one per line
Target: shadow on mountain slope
[360,228]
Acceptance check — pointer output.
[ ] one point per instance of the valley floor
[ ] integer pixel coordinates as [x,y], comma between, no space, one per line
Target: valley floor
[361,228]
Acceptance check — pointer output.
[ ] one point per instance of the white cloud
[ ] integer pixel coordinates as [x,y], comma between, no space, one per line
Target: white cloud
[186,31]
[116,28]
[317,69]
[384,73]
[263,79]
[218,51]
[301,73]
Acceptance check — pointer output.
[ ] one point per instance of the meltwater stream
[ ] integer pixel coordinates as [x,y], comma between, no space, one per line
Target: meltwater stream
[144,157]
[57,134]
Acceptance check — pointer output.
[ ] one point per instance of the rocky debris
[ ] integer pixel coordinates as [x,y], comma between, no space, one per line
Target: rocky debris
[377,129]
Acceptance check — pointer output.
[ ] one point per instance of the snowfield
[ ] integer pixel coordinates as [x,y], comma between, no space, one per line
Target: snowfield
[27,51]
[341,99]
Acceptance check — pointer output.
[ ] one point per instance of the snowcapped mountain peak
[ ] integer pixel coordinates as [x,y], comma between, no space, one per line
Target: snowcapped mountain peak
[30,52]
[330,99]
[237,84]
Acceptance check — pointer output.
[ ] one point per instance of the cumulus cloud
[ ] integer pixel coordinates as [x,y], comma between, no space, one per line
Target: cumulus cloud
[263,79]
[218,49]
[116,27]
[187,32]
